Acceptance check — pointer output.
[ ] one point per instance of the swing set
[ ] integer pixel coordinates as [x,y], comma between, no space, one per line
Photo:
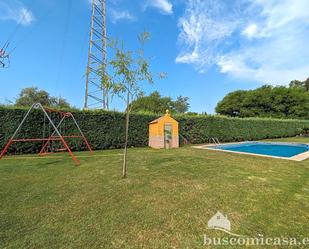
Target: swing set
[55,133]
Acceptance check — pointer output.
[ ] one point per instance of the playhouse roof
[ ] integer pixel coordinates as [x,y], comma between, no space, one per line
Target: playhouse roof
[167,116]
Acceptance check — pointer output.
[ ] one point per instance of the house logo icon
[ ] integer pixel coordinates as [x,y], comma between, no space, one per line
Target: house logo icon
[219,221]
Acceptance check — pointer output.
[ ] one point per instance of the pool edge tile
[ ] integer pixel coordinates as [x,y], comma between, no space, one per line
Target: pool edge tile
[300,157]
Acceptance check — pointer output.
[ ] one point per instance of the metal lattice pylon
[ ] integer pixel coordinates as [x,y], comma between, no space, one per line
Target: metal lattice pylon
[96,96]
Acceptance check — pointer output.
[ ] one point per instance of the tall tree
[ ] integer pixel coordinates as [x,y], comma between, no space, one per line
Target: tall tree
[129,69]
[300,84]
[31,95]
[266,101]
[181,105]
[155,103]
[232,104]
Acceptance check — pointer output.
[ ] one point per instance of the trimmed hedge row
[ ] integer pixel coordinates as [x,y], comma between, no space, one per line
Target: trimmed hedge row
[200,129]
[105,130]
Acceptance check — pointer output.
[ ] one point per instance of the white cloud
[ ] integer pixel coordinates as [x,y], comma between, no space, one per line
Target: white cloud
[201,28]
[25,16]
[261,40]
[250,31]
[14,10]
[165,6]
[117,15]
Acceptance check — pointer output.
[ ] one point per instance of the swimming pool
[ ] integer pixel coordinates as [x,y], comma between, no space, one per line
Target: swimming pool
[280,150]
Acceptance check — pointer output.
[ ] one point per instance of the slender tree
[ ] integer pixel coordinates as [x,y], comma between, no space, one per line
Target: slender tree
[129,69]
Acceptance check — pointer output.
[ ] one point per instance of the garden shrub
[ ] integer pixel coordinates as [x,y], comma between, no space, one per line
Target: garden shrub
[106,129]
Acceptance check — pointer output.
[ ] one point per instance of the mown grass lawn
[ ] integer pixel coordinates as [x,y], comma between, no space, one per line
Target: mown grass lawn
[165,203]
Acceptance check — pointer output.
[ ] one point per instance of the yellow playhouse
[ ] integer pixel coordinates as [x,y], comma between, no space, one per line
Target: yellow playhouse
[163,132]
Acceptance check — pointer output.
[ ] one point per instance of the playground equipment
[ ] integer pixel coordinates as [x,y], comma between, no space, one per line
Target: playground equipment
[54,133]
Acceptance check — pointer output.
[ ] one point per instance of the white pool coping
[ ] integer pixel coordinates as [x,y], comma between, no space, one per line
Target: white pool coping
[298,158]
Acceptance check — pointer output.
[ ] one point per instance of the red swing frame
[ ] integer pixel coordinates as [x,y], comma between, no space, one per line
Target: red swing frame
[55,136]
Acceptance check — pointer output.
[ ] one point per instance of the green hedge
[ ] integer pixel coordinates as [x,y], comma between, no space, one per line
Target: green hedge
[105,130]
[200,129]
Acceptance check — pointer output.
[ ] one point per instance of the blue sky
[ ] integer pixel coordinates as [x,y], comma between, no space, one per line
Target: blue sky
[208,48]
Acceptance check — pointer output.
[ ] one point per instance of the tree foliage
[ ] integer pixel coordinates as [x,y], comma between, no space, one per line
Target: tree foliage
[128,71]
[181,105]
[300,84]
[155,103]
[31,95]
[266,101]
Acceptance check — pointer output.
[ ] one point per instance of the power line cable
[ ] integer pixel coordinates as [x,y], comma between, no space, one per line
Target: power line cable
[64,38]
[17,27]
[42,21]
[39,24]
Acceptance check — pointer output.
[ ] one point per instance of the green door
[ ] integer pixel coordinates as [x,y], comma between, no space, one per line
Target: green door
[168,131]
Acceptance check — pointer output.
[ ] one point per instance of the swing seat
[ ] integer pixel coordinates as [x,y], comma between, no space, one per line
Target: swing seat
[45,154]
[61,149]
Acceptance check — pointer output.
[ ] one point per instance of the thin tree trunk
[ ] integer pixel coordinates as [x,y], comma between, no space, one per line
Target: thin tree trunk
[107,100]
[104,98]
[124,167]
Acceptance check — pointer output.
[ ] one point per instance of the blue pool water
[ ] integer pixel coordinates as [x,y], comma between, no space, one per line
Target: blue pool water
[270,149]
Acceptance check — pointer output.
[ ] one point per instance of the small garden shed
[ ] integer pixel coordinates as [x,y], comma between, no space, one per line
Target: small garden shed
[163,132]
